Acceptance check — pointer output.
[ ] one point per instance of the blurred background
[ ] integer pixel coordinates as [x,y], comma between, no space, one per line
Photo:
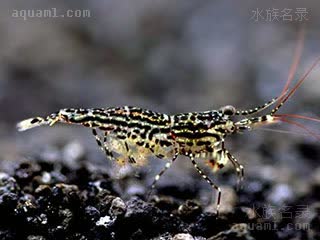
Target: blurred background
[167,56]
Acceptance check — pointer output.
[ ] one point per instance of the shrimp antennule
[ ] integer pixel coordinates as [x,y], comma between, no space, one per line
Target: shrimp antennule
[299,125]
[294,89]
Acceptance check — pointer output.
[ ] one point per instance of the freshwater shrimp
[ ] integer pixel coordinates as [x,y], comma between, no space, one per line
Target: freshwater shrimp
[130,135]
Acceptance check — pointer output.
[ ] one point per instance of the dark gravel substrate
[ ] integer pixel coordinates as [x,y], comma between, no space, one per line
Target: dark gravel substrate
[42,199]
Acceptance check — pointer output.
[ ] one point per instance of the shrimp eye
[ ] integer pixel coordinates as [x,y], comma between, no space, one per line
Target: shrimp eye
[228,110]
